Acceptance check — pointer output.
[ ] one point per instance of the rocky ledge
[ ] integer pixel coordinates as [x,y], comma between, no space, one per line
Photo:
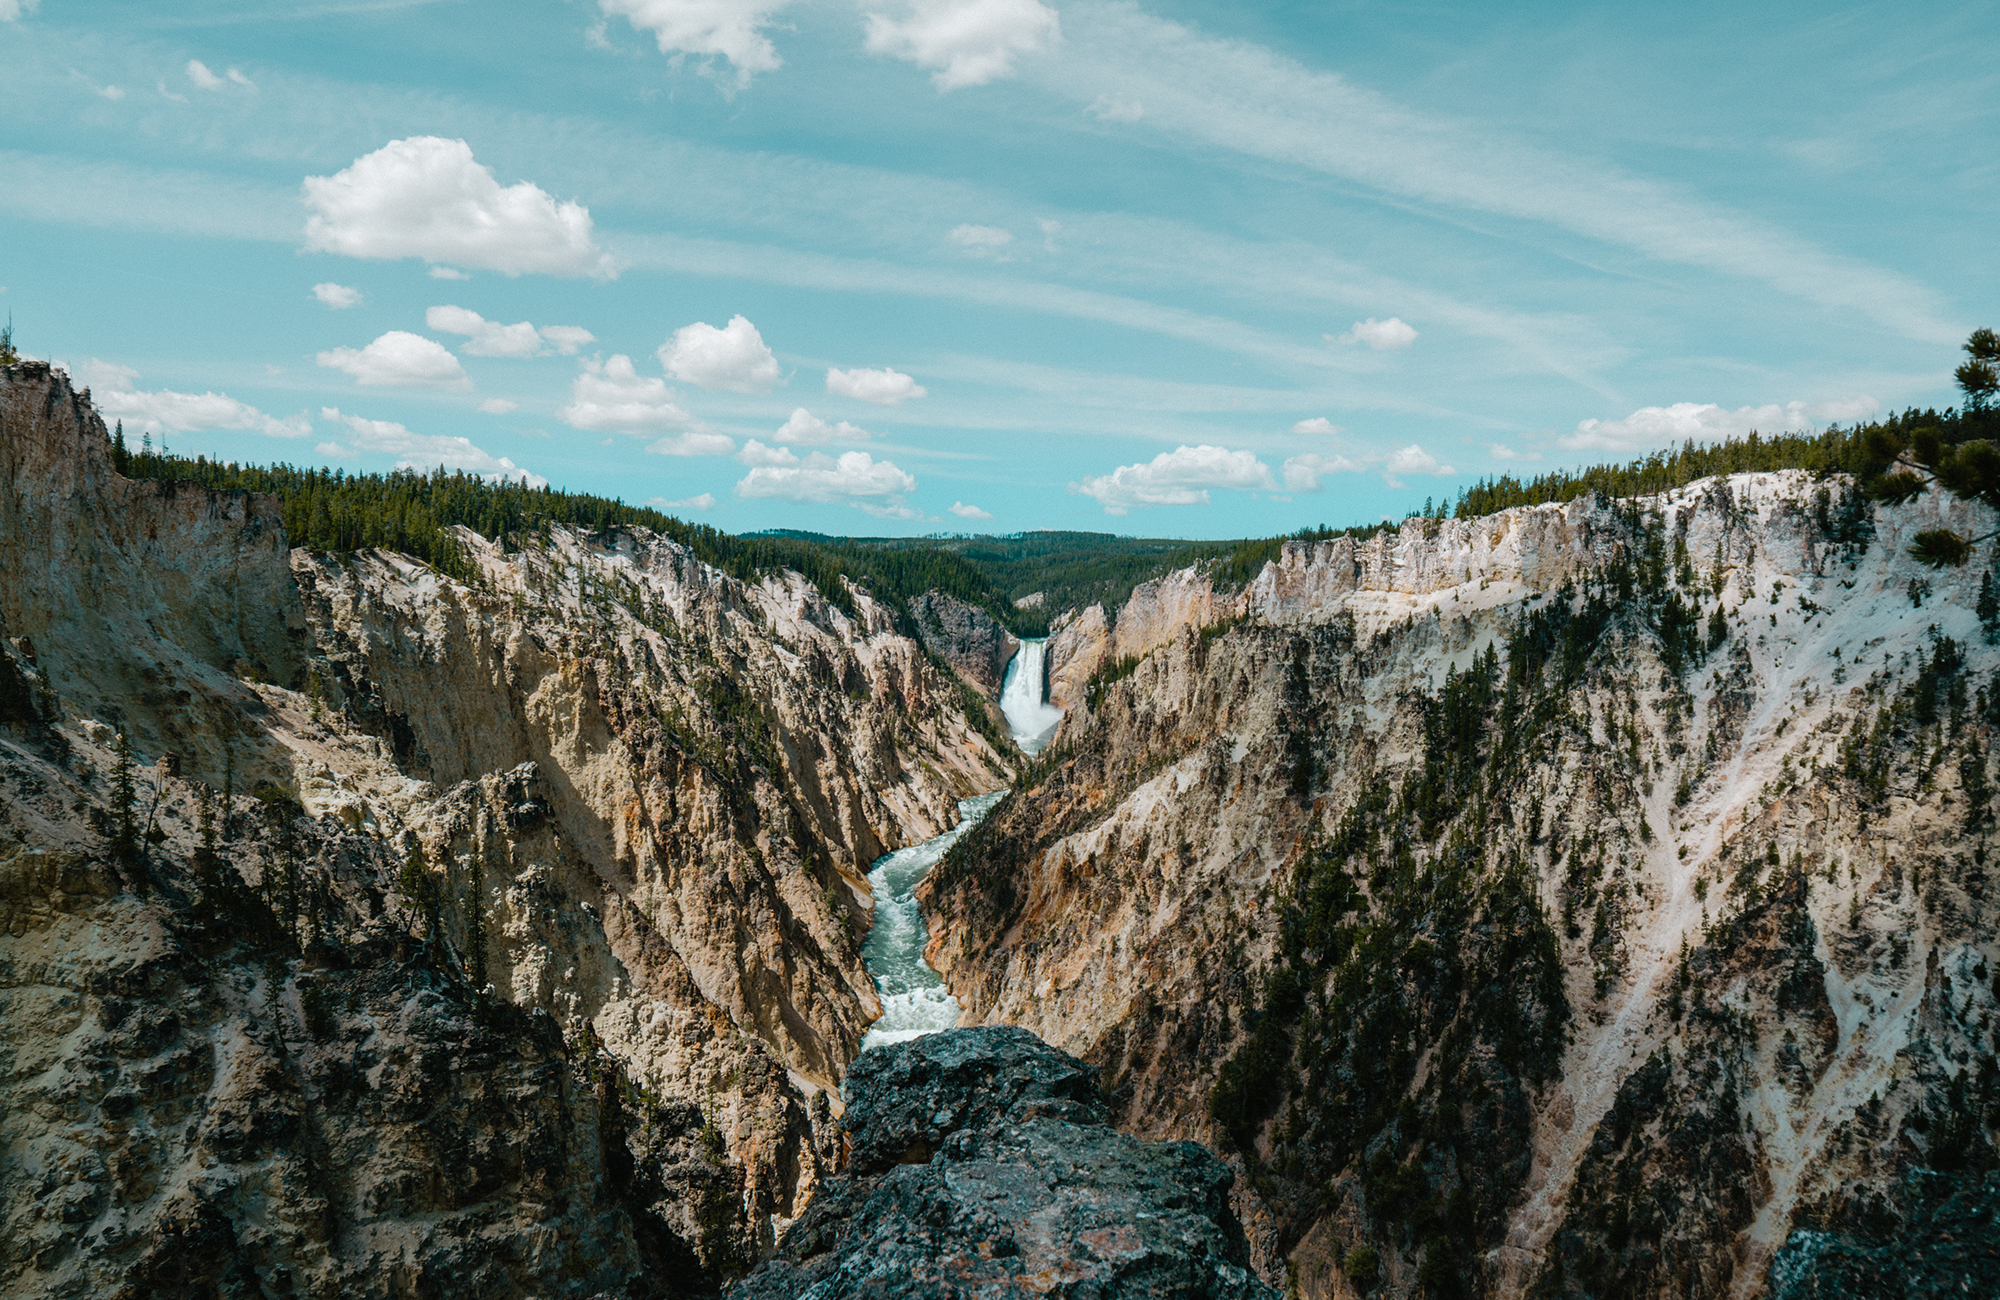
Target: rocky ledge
[981,1163]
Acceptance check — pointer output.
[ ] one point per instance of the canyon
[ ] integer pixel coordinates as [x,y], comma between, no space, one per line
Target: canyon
[1584,899]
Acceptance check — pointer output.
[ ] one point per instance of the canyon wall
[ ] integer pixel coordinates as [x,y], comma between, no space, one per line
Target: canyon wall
[514,918]
[1589,899]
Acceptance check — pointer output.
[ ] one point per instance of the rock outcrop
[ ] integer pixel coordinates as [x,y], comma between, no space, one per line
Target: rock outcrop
[1580,900]
[981,1164]
[968,639]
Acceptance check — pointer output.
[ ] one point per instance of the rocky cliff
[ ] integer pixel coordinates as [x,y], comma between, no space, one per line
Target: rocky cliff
[496,937]
[1584,900]
[981,1164]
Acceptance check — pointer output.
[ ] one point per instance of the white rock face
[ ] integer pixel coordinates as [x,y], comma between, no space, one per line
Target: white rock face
[1128,907]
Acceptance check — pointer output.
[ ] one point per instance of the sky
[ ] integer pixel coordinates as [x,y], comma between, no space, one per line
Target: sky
[1168,268]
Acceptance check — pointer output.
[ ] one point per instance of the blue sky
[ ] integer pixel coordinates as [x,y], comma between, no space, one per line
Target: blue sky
[911,266]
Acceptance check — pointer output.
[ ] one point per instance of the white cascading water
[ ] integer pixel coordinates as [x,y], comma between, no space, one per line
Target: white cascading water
[1031,718]
[914,1000]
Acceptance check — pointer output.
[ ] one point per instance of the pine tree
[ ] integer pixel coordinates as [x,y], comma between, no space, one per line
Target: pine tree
[121,456]
[417,886]
[125,834]
[1989,608]
[8,356]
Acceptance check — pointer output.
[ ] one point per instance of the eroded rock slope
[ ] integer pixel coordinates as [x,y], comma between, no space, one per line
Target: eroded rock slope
[494,938]
[1585,900]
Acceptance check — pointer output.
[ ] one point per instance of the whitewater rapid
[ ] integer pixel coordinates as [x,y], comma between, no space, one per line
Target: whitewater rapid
[914,999]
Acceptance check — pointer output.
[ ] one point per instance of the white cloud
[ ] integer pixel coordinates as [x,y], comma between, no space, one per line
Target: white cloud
[807,429]
[612,397]
[199,74]
[1050,229]
[1317,424]
[1382,335]
[566,339]
[732,29]
[1181,477]
[695,442]
[731,359]
[178,99]
[706,501]
[1304,473]
[399,359]
[486,338]
[756,453]
[964,511]
[981,240]
[1110,108]
[1413,460]
[166,411]
[1501,451]
[337,296]
[11,10]
[855,479]
[884,387]
[427,197]
[241,80]
[423,450]
[1653,427]
[499,406]
[965,42]
[447,273]
[112,93]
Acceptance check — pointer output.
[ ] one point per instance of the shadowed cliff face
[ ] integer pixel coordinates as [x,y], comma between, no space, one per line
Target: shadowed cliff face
[579,850]
[1586,900]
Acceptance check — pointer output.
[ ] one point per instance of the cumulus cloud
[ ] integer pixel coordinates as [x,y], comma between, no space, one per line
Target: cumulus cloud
[695,442]
[883,387]
[492,339]
[242,80]
[981,241]
[1181,477]
[337,296]
[1651,427]
[807,429]
[729,29]
[112,93]
[1501,451]
[566,339]
[11,10]
[964,42]
[1381,335]
[499,406]
[447,273]
[485,338]
[399,359]
[964,511]
[422,450]
[731,359]
[199,74]
[705,501]
[755,453]
[1304,473]
[856,479]
[612,397]
[1413,460]
[1317,424]
[166,411]
[427,197]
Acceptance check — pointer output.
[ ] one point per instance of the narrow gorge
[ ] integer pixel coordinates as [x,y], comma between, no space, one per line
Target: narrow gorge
[1586,898]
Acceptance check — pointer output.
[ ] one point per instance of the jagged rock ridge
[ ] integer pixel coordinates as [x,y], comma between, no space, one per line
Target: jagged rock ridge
[981,1164]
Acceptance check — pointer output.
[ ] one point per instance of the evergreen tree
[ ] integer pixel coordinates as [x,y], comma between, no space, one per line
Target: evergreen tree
[125,827]
[1989,608]
[419,888]
[8,356]
[475,920]
[121,456]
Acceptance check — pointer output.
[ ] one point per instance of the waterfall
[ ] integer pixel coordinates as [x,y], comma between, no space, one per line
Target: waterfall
[1031,717]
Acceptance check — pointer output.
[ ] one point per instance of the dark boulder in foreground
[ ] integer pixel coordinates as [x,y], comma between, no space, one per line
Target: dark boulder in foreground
[982,1164]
